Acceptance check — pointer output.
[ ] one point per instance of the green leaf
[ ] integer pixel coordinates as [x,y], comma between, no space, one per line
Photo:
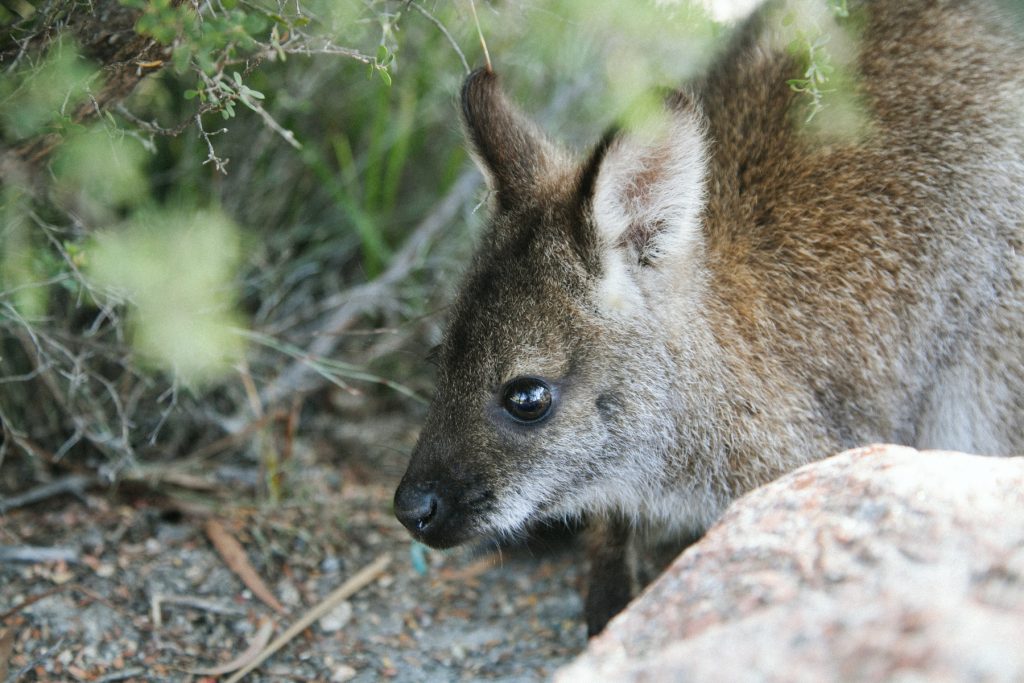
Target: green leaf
[384,76]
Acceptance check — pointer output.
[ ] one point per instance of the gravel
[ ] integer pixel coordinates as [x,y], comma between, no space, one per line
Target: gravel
[139,592]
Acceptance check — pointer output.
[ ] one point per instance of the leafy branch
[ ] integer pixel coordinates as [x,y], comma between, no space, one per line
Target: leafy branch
[819,70]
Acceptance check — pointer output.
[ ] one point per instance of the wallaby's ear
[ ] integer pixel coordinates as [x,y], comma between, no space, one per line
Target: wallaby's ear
[648,187]
[511,151]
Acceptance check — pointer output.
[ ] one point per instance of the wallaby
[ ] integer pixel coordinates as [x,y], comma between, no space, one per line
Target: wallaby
[711,300]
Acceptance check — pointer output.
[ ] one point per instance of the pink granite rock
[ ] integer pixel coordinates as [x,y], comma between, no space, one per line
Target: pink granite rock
[881,563]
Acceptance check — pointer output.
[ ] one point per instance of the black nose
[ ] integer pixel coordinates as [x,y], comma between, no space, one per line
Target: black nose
[419,508]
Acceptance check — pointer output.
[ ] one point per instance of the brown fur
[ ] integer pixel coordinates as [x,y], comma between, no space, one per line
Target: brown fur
[807,294]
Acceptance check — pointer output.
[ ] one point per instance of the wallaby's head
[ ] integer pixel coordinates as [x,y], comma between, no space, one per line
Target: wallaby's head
[555,394]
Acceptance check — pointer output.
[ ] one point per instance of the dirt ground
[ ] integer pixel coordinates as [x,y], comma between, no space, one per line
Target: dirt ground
[135,589]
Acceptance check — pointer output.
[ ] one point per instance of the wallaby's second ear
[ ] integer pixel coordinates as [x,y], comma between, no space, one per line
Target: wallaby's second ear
[510,150]
[649,188]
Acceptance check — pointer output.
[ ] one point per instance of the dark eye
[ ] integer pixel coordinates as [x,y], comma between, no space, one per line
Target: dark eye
[527,399]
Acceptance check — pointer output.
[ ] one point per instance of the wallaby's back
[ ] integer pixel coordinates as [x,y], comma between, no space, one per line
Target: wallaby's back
[881,275]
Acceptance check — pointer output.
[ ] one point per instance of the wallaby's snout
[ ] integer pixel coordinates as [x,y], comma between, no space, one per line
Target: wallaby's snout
[419,507]
[428,506]
[440,504]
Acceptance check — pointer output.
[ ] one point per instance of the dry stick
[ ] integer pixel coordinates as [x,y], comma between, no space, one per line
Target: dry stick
[235,557]
[153,477]
[34,554]
[78,588]
[259,642]
[6,648]
[479,32]
[299,377]
[75,484]
[195,602]
[34,599]
[121,675]
[361,579]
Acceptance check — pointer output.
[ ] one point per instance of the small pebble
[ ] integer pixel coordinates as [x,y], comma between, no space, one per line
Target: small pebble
[288,593]
[336,619]
[343,673]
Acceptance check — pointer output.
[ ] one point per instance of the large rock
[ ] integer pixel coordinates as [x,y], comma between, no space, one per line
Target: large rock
[882,563]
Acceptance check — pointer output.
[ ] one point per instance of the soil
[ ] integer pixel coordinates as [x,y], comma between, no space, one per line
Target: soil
[142,594]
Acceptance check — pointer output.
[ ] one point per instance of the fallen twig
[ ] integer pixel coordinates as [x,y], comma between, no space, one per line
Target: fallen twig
[6,647]
[234,556]
[157,602]
[259,642]
[76,587]
[152,476]
[33,553]
[44,656]
[75,484]
[121,675]
[34,599]
[357,582]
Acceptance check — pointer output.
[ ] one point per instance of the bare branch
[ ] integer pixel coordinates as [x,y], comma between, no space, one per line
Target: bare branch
[220,164]
[288,136]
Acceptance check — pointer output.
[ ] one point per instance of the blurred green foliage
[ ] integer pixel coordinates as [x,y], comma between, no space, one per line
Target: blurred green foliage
[177,269]
[34,98]
[122,182]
